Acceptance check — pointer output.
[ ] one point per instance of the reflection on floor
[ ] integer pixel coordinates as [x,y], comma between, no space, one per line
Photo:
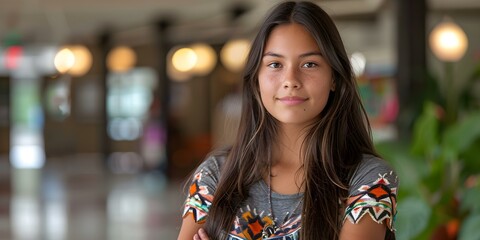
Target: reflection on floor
[76,198]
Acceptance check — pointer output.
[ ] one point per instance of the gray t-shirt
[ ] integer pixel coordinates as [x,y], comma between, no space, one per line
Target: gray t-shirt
[372,192]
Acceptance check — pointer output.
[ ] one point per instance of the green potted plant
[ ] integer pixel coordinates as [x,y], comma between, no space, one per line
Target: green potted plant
[439,169]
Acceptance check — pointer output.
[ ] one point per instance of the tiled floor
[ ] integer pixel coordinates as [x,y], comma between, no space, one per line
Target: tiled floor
[76,198]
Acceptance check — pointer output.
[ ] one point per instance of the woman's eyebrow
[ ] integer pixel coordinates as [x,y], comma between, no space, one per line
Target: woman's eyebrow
[307,54]
[271,54]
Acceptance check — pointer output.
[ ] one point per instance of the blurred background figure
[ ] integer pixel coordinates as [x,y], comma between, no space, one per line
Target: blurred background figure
[107,106]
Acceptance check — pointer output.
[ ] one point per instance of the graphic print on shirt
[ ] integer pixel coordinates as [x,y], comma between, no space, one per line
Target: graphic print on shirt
[379,200]
[249,225]
[198,201]
[374,194]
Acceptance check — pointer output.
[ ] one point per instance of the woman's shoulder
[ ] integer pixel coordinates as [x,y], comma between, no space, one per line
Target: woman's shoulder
[373,192]
[213,162]
[207,173]
[371,163]
[373,170]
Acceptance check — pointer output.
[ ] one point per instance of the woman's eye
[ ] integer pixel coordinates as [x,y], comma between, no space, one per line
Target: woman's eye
[309,65]
[274,65]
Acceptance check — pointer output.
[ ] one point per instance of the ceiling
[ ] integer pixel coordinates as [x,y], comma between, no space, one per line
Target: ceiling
[60,21]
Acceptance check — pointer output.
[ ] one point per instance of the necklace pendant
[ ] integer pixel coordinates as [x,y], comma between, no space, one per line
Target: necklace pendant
[269,230]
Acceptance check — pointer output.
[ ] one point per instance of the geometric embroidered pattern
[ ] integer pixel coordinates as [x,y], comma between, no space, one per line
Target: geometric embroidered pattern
[378,200]
[250,225]
[198,201]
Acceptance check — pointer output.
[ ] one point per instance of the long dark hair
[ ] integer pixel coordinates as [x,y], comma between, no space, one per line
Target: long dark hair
[333,146]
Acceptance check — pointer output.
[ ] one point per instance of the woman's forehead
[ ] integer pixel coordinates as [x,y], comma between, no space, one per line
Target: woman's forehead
[290,38]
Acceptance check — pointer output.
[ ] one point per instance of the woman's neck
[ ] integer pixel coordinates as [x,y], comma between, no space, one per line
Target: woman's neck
[286,172]
[289,144]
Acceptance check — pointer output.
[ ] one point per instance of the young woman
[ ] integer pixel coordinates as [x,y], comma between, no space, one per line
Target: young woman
[303,165]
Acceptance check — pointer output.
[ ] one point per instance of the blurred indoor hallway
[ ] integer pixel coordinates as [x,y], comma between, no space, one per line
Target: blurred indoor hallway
[77,198]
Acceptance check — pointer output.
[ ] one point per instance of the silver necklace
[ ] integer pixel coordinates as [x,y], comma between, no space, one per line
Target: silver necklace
[271,228]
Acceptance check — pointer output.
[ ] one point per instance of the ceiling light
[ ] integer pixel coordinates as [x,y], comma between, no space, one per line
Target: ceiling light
[234,54]
[121,59]
[448,41]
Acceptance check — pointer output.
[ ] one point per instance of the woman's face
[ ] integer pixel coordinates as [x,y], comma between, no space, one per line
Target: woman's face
[294,78]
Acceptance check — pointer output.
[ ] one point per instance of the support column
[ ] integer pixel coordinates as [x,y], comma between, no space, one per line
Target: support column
[105,47]
[163,91]
[412,66]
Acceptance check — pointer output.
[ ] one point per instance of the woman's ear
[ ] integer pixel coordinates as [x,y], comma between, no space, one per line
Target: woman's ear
[333,86]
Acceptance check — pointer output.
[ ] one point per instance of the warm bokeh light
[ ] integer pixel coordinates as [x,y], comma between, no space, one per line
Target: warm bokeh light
[64,60]
[234,54]
[184,59]
[176,75]
[83,60]
[172,72]
[121,59]
[183,62]
[448,41]
[206,59]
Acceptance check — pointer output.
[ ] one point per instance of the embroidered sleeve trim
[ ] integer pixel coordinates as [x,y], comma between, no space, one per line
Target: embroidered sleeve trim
[198,201]
[377,200]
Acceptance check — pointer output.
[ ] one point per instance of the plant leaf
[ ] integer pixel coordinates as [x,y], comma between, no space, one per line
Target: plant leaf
[470,227]
[425,131]
[470,158]
[459,137]
[470,199]
[413,216]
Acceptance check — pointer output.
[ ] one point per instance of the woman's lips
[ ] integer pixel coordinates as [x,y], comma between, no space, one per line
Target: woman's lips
[292,100]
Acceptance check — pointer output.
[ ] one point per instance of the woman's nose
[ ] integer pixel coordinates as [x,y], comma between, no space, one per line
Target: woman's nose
[291,79]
